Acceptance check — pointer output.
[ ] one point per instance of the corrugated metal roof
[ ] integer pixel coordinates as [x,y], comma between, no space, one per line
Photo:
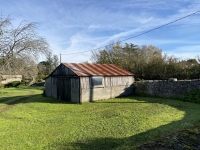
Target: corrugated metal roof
[97,69]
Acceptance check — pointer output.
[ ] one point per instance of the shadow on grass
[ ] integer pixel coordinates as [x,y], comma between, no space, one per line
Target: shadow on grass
[36,98]
[140,138]
[118,143]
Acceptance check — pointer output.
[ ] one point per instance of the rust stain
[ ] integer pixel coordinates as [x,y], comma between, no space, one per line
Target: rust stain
[97,70]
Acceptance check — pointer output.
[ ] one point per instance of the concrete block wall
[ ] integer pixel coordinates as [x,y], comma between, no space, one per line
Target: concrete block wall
[94,94]
[166,88]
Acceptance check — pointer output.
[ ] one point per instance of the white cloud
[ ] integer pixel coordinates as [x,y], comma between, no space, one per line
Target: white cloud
[78,43]
[185,52]
[74,26]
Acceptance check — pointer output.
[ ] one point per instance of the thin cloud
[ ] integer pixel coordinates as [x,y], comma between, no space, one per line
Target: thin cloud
[184,52]
[74,26]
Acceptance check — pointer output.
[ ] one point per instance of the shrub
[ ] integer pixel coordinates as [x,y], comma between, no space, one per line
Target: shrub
[23,85]
[12,84]
[1,86]
[16,83]
[8,85]
[140,87]
[193,96]
[40,78]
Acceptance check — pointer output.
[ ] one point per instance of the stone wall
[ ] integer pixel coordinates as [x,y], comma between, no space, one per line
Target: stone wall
[166,88]
[10,78]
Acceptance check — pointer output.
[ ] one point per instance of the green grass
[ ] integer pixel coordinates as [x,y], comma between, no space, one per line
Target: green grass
[123,123]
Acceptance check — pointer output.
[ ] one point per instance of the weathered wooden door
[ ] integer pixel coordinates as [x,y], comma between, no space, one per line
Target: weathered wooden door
[67,89]
[64,90]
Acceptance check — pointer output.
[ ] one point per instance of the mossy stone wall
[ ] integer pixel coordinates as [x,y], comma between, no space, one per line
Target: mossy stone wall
[166,88]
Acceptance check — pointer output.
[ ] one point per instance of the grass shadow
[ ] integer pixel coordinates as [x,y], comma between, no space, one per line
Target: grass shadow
[117,143]
[140,138]
[36,98]
[8,96]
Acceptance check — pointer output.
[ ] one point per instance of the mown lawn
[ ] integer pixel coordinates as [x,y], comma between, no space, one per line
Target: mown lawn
[44,123]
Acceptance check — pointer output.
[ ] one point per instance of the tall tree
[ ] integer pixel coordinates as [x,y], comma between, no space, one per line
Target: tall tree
[19,43]
[147,62]
[46,67]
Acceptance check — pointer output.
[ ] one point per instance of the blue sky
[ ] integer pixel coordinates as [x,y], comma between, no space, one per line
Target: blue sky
[72,26]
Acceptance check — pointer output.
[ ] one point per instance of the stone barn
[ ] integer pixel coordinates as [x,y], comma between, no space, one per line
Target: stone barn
[88,82]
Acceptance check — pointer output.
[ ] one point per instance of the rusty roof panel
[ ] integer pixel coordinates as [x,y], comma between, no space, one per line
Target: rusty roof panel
[97,69]
[75,69]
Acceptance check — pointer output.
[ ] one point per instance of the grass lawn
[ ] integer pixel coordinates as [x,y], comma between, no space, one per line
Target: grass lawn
[43,123]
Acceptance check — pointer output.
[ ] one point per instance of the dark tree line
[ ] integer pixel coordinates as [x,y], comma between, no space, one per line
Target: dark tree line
[47,66]
[147,62]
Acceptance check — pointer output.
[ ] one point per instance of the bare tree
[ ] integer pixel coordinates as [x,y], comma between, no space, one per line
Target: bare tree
[3,23]
[30,70]
[198,59]
[23,41]
[20,43]
[109,55]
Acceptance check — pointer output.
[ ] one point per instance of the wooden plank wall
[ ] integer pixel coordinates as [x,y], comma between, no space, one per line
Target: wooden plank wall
[63,71]
[75,83]
[118,81]
[48,87]
[85,82]
[108,81]
[54,83]
[60,87]
[122,80]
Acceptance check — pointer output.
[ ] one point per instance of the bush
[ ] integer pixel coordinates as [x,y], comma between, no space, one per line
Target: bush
[40,78]
[140,87]
[12,84]
[193,96]
[1,86]
[23,85]
[16,83]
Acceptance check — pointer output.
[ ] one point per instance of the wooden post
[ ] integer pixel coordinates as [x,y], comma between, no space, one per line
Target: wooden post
[60,58]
